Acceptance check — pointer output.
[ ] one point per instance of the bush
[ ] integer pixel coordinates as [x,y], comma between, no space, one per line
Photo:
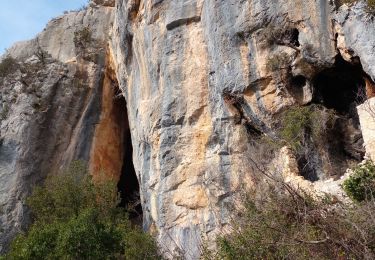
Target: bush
[7,66]
[300,122]
[361,185]
[289,224]
[75,219]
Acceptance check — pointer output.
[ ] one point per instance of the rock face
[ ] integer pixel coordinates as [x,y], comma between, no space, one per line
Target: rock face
[204,82]
[366,113]
[201,77]
[49,106]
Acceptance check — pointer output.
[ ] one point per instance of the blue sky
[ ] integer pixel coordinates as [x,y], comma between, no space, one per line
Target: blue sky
[23,19]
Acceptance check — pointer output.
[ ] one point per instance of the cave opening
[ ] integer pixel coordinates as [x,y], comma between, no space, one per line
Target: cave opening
[128,185]
[337,91]
[294,35]
[341,87]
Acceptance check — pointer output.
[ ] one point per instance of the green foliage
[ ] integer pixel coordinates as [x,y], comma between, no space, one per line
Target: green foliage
[297,122]
[361,185]
[7,65]
[289,224]
[77,219]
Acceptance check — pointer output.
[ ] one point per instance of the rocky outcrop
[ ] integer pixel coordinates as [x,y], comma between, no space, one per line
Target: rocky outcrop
[205,83]
[49,104]
[203,78]
[366,113]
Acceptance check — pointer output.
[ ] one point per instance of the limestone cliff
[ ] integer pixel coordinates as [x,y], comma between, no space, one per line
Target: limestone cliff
[49,103]
[182,94]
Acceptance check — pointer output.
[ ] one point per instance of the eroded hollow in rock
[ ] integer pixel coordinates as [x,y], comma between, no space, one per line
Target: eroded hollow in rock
[128,185]
[111,152]
[341,86]
[337,91]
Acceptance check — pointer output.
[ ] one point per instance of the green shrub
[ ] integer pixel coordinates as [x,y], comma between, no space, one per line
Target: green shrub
[300,122]
[7,66]
[361,185]
[76,219]
[289,224]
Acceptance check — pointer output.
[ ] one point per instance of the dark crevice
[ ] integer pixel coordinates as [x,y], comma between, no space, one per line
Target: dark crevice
[294,34]
[337,91]
[340,86]
[298,82]
[237,101]
[128,185]
[183,21]
[307,169]
[296,87]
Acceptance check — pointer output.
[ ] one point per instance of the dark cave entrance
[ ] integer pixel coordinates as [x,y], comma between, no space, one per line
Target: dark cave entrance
[340,89]
[128,185]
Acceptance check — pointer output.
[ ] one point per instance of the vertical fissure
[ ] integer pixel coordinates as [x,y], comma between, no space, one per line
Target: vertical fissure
[128,185]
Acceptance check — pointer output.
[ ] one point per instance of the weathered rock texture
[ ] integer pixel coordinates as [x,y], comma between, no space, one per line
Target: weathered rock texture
[49,105]
[204,81]
[203,78]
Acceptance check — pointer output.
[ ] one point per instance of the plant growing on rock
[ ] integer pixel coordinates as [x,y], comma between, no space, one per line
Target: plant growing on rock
[7,66]
[299,121]
[360,186]
[83,37]
[371,6]
[277,62]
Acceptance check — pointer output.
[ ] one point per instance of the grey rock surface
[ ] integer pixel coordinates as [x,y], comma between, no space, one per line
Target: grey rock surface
[204,82]
[183,64]
[49,105]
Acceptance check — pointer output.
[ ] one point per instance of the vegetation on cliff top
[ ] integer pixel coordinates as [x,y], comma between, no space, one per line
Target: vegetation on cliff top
[76,219]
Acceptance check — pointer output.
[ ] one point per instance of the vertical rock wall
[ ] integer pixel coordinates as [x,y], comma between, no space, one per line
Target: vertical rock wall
[50,104]
[175,59]
[204,81]
[199,79]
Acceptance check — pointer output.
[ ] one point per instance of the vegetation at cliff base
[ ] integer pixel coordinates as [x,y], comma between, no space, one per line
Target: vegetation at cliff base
[77,219]
[281,222]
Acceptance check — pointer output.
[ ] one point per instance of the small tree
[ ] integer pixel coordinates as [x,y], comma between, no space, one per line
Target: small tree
[77,219]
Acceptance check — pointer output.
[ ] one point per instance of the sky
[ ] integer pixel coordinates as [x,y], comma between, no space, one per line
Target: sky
[23,19]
